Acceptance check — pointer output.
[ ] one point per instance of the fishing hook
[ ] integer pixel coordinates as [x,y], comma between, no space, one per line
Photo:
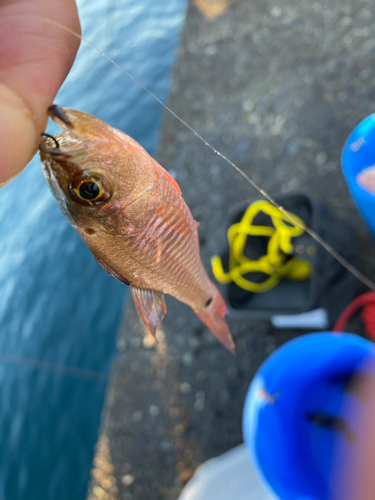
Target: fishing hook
[51,137]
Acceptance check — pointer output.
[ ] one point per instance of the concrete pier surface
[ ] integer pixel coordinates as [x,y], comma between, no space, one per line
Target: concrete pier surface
[277,88]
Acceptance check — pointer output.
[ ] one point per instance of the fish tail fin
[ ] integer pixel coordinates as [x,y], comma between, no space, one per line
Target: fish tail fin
[213,317]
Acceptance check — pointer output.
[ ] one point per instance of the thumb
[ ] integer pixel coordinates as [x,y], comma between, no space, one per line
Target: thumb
[35,58]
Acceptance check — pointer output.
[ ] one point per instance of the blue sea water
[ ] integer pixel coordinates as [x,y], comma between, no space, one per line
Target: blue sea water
[57,305]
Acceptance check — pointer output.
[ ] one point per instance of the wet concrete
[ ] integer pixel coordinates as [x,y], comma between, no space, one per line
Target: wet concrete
[277,88]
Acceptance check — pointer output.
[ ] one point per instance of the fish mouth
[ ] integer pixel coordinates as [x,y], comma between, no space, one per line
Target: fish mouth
[59,116]
[64,144]
[50,146]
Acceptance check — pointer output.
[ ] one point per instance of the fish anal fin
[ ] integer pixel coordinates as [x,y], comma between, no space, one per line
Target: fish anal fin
[110,271]
[150,306]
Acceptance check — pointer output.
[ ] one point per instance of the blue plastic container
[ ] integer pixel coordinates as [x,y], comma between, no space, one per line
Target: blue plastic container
[358,154]
[309,375]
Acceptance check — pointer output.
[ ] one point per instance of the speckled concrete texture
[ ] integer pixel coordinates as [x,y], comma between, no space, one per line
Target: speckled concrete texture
[276,87]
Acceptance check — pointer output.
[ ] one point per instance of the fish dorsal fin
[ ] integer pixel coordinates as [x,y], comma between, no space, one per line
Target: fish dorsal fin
[197,224]
[174,182]
[150,306]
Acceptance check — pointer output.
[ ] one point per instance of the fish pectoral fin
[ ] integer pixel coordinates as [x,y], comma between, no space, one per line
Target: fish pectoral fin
[111,272]
[197,224]
[150,306]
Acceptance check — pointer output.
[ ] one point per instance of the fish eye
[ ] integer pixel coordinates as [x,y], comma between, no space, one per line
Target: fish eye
[90,188]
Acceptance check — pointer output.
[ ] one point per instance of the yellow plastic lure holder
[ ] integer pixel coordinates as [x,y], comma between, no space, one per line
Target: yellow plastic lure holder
[277,263]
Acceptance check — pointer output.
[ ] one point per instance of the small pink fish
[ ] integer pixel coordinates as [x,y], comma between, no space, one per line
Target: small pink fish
[130,213]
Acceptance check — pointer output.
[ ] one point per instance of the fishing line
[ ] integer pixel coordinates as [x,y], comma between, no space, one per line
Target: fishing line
[39,364]
[349,267]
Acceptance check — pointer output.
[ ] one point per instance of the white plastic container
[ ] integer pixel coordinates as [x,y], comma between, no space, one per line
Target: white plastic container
[228,477]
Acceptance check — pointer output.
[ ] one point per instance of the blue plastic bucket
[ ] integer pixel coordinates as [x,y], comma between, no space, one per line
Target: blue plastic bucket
[293,456]
[358,154]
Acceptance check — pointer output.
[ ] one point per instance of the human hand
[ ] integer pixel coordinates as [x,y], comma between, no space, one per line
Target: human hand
[355,474]
[35,59]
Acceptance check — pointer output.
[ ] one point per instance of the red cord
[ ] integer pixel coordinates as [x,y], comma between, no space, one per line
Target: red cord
[367,302]
[368,317]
